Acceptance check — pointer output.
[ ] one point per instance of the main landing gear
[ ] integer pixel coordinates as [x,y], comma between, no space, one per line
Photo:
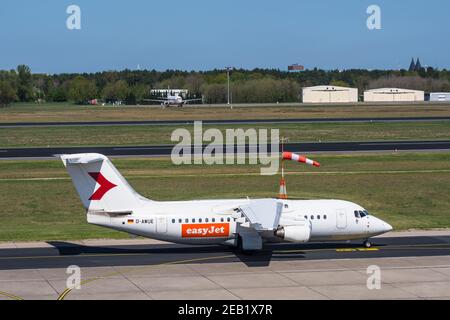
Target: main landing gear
[240,247]
[367,243]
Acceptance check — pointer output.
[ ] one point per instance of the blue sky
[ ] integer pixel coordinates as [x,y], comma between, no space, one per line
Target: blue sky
[207,34]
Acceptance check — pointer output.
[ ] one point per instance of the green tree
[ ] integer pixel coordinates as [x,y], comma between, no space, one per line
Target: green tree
[193,83]
[118,91]
[25,84]
[215,93]
[339,83]
[81,90]
[7,93]
[140,92]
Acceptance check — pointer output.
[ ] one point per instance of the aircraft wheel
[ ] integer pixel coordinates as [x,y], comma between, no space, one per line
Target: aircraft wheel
[239,243]
[367,244]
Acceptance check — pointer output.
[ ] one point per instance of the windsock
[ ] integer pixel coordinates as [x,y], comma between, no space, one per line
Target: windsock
[299,158]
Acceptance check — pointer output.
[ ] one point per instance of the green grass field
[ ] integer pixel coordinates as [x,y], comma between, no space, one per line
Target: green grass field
[69,112]
[145,135]
[409,190]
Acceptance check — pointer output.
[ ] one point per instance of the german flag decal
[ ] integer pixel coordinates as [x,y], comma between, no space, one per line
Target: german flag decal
[205,230]
[130,221]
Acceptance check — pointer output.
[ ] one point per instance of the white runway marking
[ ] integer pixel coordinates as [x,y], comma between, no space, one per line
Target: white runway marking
[246,174]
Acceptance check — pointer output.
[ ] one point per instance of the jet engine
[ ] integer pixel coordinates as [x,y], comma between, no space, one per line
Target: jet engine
[300,233]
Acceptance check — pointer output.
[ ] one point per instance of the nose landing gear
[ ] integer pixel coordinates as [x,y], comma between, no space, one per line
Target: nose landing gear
[367,243]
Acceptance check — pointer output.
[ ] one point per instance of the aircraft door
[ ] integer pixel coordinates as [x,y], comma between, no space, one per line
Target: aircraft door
[161,224]
[341,219]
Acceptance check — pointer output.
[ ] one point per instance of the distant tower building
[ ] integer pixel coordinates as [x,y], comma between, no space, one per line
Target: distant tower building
[415,66]
[418,65]
[412,66]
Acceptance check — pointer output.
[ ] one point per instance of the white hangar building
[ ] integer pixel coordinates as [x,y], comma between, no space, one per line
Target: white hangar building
[440,96]
[393,95]
[329,94]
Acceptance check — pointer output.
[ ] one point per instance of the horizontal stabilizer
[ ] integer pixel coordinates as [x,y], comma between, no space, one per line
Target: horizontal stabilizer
[82,158]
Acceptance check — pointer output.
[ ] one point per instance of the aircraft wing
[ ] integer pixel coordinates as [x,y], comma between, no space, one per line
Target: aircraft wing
[254,219]
[155,100]
[189,100]
[261,215]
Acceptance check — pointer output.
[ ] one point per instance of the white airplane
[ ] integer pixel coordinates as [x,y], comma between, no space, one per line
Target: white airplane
[173,100]
[244,223]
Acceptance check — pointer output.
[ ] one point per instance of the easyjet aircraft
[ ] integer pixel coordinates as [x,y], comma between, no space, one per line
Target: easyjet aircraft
[246,223]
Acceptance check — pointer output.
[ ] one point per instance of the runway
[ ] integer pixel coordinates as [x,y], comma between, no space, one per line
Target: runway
[411,267]
[61,254]
[165,150]
[219,122]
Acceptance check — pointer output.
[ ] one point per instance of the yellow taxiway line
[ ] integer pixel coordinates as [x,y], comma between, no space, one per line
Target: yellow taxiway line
[397,247]
[11,296]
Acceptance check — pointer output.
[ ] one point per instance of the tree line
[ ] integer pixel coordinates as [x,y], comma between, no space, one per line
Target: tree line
[247,86]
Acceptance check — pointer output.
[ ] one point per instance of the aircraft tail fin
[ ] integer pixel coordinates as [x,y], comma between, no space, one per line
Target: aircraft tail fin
[99,184]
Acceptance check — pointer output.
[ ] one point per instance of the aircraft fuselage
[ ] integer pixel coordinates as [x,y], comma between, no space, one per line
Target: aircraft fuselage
[214,221]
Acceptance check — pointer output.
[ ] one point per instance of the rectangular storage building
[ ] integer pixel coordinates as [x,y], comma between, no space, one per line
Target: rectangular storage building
[329,94]
[393,95]
[440,96]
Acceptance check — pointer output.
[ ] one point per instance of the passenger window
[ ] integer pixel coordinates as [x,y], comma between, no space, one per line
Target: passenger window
[213,219]
[200,220]
[179,220]
[286,206]
[325,216]
[173,220]
[357,214]
[206,219]
[312,217]
[221,220]
[186,220]
[306,217]
[318,217]
[228,219]
[193,220]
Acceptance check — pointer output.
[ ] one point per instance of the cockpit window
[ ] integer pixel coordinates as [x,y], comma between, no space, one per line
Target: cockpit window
[357,214]
[363,213]
[366,212]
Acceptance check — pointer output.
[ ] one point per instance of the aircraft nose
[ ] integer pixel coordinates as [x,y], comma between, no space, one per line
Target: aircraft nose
[387,227]
[380,226]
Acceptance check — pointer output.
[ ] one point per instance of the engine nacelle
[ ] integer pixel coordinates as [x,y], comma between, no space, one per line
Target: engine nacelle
[294,233]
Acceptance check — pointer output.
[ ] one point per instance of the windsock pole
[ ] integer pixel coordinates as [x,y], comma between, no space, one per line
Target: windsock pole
[283,192]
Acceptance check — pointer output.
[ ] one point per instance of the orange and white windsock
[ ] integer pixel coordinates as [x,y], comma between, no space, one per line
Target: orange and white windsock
[299,158]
